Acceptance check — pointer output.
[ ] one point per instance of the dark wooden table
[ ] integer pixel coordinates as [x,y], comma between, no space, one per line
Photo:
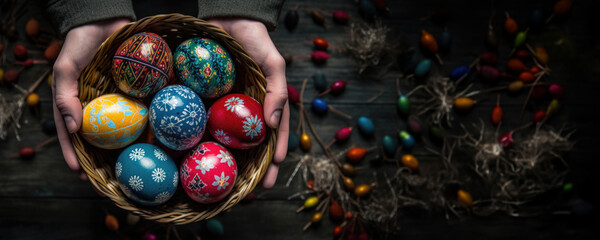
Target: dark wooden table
[42,199]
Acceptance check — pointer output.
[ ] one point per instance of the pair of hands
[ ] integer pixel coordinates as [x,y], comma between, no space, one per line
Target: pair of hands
[82,42]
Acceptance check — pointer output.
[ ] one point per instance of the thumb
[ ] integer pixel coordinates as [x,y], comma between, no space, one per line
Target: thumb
[66,95]
[276,97]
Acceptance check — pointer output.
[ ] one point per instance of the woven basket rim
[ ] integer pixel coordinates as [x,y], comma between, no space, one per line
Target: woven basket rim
[95,81]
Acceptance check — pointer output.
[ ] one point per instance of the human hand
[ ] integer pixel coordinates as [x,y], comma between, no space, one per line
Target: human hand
[255,39]
[78,49]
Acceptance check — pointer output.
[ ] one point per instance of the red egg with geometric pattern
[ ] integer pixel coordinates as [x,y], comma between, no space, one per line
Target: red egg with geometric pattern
[142,64]
[208,172]
[236,120]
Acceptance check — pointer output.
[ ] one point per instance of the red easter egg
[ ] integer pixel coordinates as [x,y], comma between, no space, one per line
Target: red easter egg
[142,64]
[236,121]
[208,172]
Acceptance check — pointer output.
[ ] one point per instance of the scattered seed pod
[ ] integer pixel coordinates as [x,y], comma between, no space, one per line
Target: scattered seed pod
[510,25]
[523,54]
[52,51]
[515,65]
[291,19]
[541,54]
[215,227]
[556,91]
[464,198]
[403,105]
[491,40]
[366,126]
[497,115]
[410,162]
[33,100]
[27,153]
[562,7]
[389,146]
[367,9]
[520,39]
[32,28]
[321,44]
[515,86]
[343,134]
[459,72]
[293,95]
[320,81]
[336,212]
[422,68]
[318,18]
[293,141]
[464,103]
[305,142]
[356,154]
[311,202]
[340,16]
[20,52]
[362,190]
[408,141]
[506,139]
[111,222]
[488,73]
[348,170]
[310,184]
[553,107]
[348,184]
[319,57]
[539,116]
[526,77]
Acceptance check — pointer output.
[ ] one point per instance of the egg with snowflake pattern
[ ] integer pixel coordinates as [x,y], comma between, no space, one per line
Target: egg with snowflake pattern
[113,121]
[142,64]
[177,117]
[205,66]
[208,172]
[236,120]
[146,174]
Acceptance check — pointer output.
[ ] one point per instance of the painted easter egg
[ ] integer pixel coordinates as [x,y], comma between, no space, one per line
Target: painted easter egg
[177,117]
[146,174]
[208,172]
[113,121]
[205,66]
[142,64]
[236,120]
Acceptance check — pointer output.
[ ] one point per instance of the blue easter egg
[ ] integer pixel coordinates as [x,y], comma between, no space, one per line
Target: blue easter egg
[366,126]
[205,66]
[146,174]
[459,71]
[177,117]
[423,68]
[320,106]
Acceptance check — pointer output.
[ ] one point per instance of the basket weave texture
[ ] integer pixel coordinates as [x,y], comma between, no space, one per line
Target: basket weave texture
[96,80]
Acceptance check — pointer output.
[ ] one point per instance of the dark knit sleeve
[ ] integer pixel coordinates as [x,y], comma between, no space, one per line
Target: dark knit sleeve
[67,14]
[266,11]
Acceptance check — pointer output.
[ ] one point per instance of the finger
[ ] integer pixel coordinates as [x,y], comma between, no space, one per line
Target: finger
[66,94]
[270,177]
[65,142]
[276,97]
[282,136]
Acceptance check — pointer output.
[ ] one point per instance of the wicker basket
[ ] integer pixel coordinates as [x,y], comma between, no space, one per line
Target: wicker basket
[96,80]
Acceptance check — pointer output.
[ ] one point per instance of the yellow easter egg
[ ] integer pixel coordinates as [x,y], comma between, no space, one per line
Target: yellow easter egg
[113,121]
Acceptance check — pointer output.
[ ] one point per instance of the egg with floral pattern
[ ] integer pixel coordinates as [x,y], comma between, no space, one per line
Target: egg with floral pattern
[113,121]
[236,120]
[177,117]
[208,172]
[205,66]
[146,174]
[142,64]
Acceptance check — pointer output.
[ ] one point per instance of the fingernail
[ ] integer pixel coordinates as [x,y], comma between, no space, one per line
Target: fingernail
[275,118]
[71,125]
